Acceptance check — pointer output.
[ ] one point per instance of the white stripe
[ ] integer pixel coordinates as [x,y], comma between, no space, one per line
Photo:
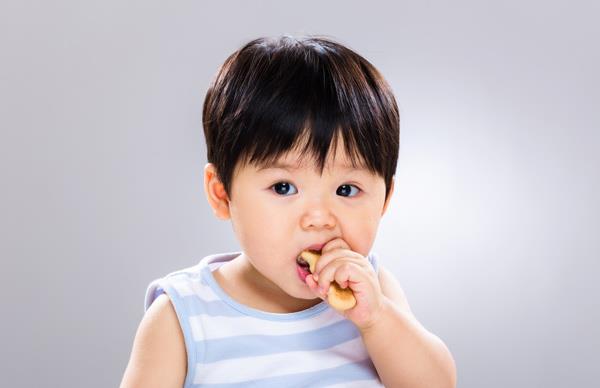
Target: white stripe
[358,384]
[188,287]
[197,329]
[204,291]
[181,286]
[222,327]
[251,368]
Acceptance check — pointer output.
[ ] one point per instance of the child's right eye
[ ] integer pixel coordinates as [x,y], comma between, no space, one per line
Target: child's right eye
[284,188]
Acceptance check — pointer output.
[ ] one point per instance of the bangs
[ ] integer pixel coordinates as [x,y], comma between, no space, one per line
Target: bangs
[279,95]
[312,143]
[304,100]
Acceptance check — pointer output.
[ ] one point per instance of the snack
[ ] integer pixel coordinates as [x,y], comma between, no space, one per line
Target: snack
[339,298]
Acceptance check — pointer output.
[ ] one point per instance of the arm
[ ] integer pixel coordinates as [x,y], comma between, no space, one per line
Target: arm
[158,357]
[404,353]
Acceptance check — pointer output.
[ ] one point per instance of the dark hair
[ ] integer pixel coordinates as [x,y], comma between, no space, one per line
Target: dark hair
[273,92]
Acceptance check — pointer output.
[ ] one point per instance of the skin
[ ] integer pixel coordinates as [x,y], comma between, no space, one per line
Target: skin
[274,227]
[273,223]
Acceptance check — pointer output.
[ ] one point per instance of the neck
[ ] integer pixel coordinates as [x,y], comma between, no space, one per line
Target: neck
[260,292]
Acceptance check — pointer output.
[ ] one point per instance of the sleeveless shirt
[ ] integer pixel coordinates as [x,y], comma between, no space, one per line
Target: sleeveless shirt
[229,344]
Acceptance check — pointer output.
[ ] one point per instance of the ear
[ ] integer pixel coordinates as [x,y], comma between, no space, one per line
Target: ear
[215,192]
[387,200]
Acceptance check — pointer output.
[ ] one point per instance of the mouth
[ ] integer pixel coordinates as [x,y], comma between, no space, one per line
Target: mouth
[302,263]
[303,266]
[315,247]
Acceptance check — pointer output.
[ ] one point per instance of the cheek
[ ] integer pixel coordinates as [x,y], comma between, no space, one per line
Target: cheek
[361,235]
[259,226]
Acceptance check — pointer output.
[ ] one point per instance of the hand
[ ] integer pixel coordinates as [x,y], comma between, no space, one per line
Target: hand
[349,269]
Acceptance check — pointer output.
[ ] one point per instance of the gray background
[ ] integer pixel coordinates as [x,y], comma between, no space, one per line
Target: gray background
[492,231]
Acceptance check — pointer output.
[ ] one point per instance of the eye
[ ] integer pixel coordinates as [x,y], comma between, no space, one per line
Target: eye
[284,188]
[347,190]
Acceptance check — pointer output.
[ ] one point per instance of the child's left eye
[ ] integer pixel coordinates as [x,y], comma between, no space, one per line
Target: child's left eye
[347,190]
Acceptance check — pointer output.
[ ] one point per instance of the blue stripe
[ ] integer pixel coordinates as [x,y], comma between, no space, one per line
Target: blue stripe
[363,370]
[258,345]
[219,308]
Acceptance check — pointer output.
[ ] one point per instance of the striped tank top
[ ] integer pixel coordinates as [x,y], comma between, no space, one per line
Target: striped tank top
[229,344]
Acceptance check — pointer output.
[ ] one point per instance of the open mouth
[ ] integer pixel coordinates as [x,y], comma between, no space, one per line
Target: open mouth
[302,263]
[305,264]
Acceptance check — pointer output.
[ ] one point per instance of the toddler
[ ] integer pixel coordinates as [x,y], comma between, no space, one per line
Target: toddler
[302,138]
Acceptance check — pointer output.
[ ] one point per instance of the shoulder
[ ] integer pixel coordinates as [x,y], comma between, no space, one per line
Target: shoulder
[391,288]
[158,357]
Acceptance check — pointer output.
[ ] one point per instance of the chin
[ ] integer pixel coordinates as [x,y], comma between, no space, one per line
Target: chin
[308,295]
[300,294]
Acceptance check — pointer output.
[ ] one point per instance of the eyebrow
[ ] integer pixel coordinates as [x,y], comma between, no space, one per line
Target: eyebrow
[290,167]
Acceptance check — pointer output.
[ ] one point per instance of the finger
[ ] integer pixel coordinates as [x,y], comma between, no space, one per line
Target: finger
[337,254]
[328,273]
[336,243]
[349,273]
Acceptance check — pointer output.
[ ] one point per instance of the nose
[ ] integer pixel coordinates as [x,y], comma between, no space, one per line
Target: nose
[318,215]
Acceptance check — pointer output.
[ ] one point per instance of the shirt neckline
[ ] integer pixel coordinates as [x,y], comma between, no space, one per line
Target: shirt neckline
[210,263]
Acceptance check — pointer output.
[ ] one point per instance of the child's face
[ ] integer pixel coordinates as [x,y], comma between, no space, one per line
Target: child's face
[280,211]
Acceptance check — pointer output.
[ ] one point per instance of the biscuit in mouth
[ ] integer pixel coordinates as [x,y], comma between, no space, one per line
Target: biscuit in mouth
[338,297]
[308,259]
